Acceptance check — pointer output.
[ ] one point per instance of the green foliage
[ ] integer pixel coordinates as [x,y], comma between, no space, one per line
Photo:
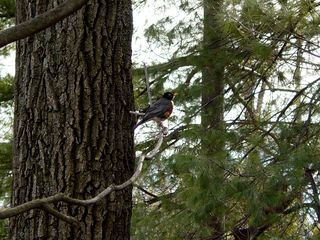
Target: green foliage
[5,161]
[5,172]
[4,227]
[5,182]
[7,13]
[6,89]
[258,180]
[7,8]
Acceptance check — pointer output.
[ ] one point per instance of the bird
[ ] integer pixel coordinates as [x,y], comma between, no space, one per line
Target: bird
[160,110]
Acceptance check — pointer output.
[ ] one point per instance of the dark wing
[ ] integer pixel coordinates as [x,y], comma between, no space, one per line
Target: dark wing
[157,109]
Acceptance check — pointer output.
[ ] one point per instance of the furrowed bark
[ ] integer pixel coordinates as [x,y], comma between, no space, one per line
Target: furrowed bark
[73,130]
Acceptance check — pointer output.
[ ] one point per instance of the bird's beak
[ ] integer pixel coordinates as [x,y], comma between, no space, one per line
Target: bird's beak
[175,94]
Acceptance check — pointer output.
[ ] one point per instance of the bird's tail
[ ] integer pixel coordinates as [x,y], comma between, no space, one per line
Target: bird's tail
[135,126]
[138,124]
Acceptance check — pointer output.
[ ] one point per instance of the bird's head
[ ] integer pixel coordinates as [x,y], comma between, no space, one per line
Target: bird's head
[169,95]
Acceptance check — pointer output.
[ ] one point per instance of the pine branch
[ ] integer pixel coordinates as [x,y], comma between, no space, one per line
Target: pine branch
[315,193]
[154,198]
[280,115]
[145,191]
[172,64]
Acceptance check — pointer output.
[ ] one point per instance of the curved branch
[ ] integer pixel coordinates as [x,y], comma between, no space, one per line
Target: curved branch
[40,22]
[60,197]
[54,212]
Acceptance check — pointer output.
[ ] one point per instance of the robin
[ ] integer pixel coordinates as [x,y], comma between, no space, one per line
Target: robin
[160,110]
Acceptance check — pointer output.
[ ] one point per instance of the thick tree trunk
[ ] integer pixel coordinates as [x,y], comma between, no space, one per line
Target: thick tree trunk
[73,130]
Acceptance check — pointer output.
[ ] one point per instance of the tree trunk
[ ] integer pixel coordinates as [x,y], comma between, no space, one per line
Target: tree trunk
[73,130]
[212,119]
[213,73]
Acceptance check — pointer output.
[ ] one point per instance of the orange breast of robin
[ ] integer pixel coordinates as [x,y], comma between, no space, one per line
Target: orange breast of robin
[167,113]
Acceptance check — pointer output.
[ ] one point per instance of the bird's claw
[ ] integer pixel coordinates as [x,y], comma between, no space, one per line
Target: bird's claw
[165,130]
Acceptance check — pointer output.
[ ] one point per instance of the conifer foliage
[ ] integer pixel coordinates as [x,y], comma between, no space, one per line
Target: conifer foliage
[7,12]
[242,159]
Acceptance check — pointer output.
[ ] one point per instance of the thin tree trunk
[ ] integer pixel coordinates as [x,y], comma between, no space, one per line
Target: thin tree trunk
[213,73]
[212,98]
[73,129]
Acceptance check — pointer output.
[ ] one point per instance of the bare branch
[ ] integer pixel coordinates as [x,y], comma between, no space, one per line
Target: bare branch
[172,64]
[147,84]
[145,191]
[40,22]
[60,197]
[68,219]
[37,203]
[137,113]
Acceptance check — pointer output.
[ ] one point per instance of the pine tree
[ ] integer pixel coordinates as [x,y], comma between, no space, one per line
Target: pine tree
[264,181]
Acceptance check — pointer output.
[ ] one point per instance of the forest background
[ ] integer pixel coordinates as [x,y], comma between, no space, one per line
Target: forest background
[242,155]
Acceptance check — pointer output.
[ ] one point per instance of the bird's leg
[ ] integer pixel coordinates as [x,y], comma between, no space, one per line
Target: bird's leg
[162,127]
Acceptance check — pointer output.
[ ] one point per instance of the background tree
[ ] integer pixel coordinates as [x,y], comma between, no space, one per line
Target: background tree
[264,184]
[73,131]
[256,176]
